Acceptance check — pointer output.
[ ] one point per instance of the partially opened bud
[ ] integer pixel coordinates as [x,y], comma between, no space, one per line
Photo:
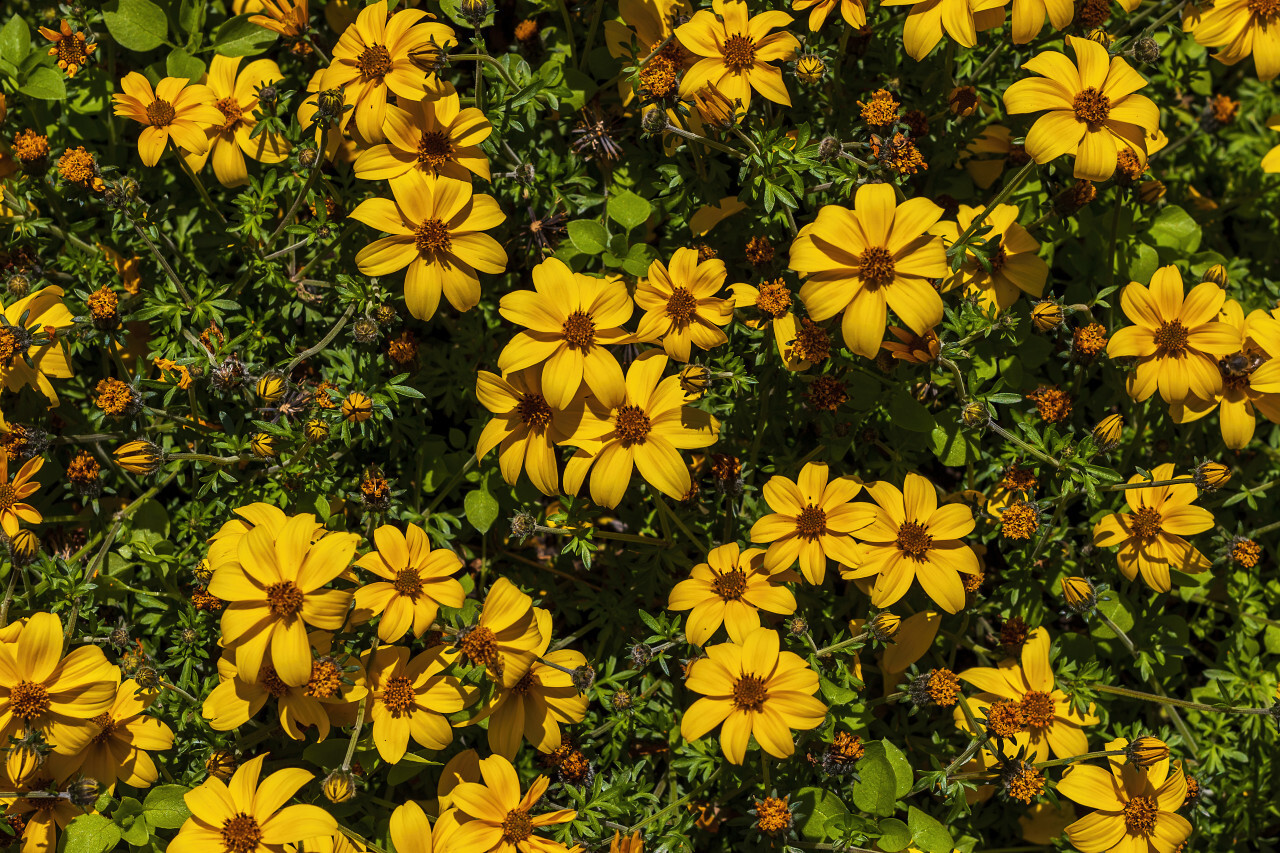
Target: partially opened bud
[1107,433]
[1211,476]
[1080,594]
[1147,751]
[139,457]
[339,786]
[1046,316]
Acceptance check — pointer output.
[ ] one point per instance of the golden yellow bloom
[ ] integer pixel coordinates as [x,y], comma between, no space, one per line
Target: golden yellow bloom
[633,843]
[28,331]
[418,581]
[175,109]
[236,98]
[1134,809]
[1177,341]
[1106,435]
[752,688]
[648,23]
[411,698]
[680,305]
[1093,111]
[69,46]
[121,738]
[731,589]
[959,19]
[854,12]
[570,320]
[494,818]
[525,429]
[1016,268]
[436,230]
[646,430]
[871,258]
[1028,17]
[812,520]
[912,537]
[43,817]
[14,509]
[248,816]
[411,831]
[376,55]
[736,52]
[770,305]
[356,407]
[430,137]
[1150,535]
[1241,28]
[506,639]
[1019,699]
[289,18]
[274,588]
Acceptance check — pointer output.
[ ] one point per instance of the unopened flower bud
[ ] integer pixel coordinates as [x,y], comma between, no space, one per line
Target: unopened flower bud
[329,105]
[694,381]
[621,701]
[474,12]
[84,793]
[25,756]
[1149,192]
[147,677]
[655,121]
[1146,50]
[811,69]
[884,627]
[271,388]
[522,525]
[365,331]
[1216,274]
[1080,594]
[264,445]
[583,677]
[1106,435]
[526,174]
[975,414]
[357,407]
[23,547]
[221,764]
[139,457]
[641,655]
[18,285]
[829,149]
[316,431]
[1046,316]
[1147,751]
[1211,476]
[339,786]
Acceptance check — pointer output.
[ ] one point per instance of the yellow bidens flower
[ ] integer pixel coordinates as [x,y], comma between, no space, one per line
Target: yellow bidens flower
[1094,112]
[411,698]
[526,428]
[680,305]
[121,739]
[812,520]
[431,137]
[69,46]
[14,509]
[854,12]
[1150,534]
[30,353]
[960,19]
[1177,341]
[736,52]
[1015,267]
[1106,435]
[752,688]
[418,581]
[860,261]
[912,537]
[1134,809]
[506,639]
[230,140]
[436,230]
[248,815]
[570,319]
[274,588]
[494,818]
[356,407]
[1241,28]
[731,589]
[376,54]
[175,109]
[646,430]
[1023,709]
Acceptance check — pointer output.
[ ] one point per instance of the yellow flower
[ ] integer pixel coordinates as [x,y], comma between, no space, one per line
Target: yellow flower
[436,230]
[630,844]
[337,147]
[751,688]
[42,690]
[858,261]
[812,520]
[771,303]
[42,817]
[289,18]
[1016,268]
[736,52]
[1150,535]
[854,12]
[418,581]
[411,698]
[959,19]
[680,304]
[246,815]
[1134,810]
[13,495]
[1240,28]
[1092,108]
[1019,699]
[1250,380]
[376,55]
[912,537]
[1271,162]
[69,46]
[410,829]
[121,738]
[494,818]
[731,589]
[274,589]
[526,428]
[431,137]
[236,98]
[506,639]
[647,430]
[328,698]
[1177,341]
[570,318]
[175,109]
[28,332]
[1028,17]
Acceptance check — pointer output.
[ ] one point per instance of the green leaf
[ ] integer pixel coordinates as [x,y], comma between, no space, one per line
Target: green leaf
[930,835]
[629,210]
[481,509]
[902,773]
[907,412]
[138,832]
[1174,229]
[137,25]
[639,257]
[818,806]
[954,446]
[91,833]
[876,792]
[894,835]
[408,767]
[588,236]
[15,40]
[179,63]
[1114,606]
[45,83]
[165,806]
[238,37]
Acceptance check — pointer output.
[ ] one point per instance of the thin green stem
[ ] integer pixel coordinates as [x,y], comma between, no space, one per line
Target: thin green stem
[1177,703]
[450,485]
[843,644]
[678,803]
[200,188]
[324,342]
[1005,191]
[1034,451]
[164,264]
[662,505]
[297,202]
[1147,484]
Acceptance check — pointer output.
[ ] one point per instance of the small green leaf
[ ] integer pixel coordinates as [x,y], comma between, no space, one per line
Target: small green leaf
[91,833]
[15,40]
[929,835]
[907,412]
[1174,229]
[876,791]
[588,236]
[45,83]
[179,63]
[818,806]
[239,37]
[137,25]
[902,773]
[481,509]
[894,835]
[628,209]
[165,806]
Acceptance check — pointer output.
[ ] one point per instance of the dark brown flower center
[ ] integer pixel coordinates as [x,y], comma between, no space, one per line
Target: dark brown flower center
[749,693]
[658,77]
[525,684]
[516,826]
[232,115]
[1140,816]
[579,331]
[811,522]
[29,700]
[8,497]
[480,647]
[8,346]
[106,728]
[739,52]
[160,113]
[731,585]
[1171,339]
[271,681]
[914,540]
[1092,107]
[534,411]
[631,424]
[435,149]
[326,679]
[374,62]
[1145,523]
[432,237]
[398,696]
[681,306]
[875,267]
[408,583]
[71,50]
[1037,708]
[284,599]
[241,834]
[1267,10]
[774,299]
